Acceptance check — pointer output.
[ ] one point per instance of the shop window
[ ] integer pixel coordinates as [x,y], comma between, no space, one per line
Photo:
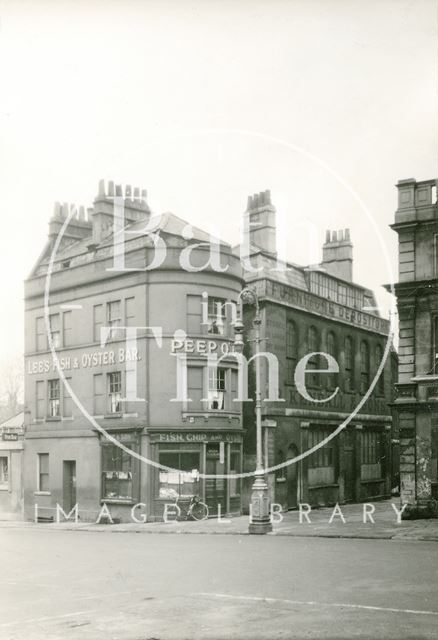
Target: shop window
[67,408]
[195,387]
[378,360]
[194,315]
[349,364]
[291,351]
[97,321]
[183,479]
[40,335]
[216,388]
[43,472]
[216,315]
[4,472]
[39,399]
[235,469]
[67,328]
[55,329]
[364,367]
[321,462]
[114,317]
[115,392]
[54,398]
[117,473]
[280,474]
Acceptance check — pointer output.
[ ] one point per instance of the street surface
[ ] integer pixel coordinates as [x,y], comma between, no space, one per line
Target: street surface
[90,585]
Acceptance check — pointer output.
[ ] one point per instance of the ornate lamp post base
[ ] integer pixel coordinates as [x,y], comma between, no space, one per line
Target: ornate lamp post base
[260,510]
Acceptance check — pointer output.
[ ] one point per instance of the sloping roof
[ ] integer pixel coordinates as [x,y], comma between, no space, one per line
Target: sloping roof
[16,422]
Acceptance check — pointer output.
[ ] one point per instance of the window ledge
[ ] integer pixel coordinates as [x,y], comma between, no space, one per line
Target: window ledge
[117,501]
[323,486]
[42,493]
[372,480]
[4,488]
[113,415]
[53,419]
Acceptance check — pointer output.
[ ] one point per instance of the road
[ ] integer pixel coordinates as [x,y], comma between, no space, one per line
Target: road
[127,586]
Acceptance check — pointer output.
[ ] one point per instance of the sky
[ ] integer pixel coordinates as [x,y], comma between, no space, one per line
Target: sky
[326,103]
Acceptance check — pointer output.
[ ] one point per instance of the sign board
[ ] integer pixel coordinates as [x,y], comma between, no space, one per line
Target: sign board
[10,436]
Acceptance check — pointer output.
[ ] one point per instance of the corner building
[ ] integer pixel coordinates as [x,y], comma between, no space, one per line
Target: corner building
[308,310]
[127,386]
[416,224]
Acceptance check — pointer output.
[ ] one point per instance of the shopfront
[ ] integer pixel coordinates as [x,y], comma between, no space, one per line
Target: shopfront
[189,456]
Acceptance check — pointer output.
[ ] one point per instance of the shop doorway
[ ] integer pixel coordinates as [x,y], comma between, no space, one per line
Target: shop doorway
[68,485]
[215,488]
[292,478]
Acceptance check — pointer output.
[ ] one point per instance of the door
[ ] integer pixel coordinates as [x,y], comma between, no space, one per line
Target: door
[215,488]
[292,478]
[69,485]
[349,467]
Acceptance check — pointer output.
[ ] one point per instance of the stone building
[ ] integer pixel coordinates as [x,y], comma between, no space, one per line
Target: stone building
[416,223]
[11,467]
[108,406]
[319,309]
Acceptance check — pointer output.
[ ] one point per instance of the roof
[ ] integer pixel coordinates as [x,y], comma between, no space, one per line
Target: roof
[15,422]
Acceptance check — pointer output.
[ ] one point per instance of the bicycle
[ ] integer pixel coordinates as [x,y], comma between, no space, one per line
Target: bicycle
[196,509]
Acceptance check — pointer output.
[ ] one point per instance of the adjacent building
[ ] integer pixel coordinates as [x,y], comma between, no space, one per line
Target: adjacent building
[11,467]
[146,386]
[416,223]
[320,309]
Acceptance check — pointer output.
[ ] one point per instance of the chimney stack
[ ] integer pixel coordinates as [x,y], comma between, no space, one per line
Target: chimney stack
[260,223]
[337,254]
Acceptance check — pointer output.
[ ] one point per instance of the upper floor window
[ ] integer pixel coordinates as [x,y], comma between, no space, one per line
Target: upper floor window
[332,350]
[313,362]
[216,315]
[216,388]
[364,366]
[43,472]
[114,316]
[54,398]
[55,329]
[378,355]
[4,472]
[40,335]
[67,328]
[291,351]
[115,392]
[349,364]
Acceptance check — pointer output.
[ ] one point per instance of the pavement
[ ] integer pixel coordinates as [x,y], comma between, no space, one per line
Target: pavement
[57,584]
[348,521]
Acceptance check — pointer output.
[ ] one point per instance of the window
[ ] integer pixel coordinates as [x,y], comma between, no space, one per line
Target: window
[313,363]
[216,388]
[184,480]
[98,396]
[39,399]
[291,351]
[364,367]
[43,472]
[370,447]
[349,364]
[55,329]
[216,315]
[130,312]
[54,399]
[194,313]
[97,321]
[4,472]
[67,328]
[115,391]
[332,350]
[342,294]
[114,317]
[333,290]
[381,380]
[67,407]
[40,333]
[117,473]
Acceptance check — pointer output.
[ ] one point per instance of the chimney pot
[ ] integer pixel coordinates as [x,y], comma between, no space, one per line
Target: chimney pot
[334,236]
[111,188]
[128,191]
[119,190]
[144,194]
[102,187]
[136,193]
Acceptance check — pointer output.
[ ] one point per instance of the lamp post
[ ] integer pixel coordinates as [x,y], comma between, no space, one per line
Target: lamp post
[260,519]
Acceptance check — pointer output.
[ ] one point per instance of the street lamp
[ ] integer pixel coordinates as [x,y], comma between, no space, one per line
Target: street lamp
[260,521]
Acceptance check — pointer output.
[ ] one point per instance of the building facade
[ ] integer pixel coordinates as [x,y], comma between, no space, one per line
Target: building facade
[416,223]
[131,417]
[320,310]
[11,467]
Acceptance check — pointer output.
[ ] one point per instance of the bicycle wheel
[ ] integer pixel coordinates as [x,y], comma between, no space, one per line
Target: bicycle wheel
[199,511]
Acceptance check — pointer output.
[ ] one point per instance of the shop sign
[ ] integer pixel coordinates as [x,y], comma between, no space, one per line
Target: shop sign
[10,436]
[87,360]
[173,437]
[202,347]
